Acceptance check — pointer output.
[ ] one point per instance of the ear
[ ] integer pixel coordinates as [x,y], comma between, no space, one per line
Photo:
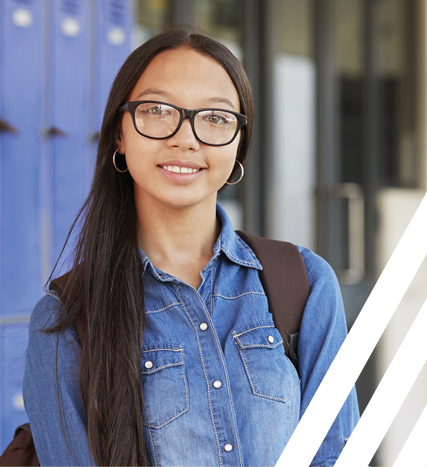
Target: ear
[120,143]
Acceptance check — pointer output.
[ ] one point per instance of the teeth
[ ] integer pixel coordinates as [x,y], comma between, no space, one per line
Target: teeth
[183,170]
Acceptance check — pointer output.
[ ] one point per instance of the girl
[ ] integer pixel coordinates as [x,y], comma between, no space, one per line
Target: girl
[161,350]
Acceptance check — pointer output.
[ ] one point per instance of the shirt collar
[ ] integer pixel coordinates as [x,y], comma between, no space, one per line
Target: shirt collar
[232,245]
[229,243]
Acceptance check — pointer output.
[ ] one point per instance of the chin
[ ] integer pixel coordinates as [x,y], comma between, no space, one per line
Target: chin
[184,202]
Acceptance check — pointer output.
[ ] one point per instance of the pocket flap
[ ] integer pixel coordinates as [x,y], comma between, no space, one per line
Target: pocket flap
[265,336]
[155,359]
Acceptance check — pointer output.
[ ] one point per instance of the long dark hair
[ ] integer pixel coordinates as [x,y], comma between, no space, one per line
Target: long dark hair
[103,294]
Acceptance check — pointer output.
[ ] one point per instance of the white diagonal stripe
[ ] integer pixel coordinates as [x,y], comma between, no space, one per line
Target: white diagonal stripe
[358,346]
[414,452]
[388,397]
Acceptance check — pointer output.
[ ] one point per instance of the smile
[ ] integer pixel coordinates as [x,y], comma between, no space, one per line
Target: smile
[182,170]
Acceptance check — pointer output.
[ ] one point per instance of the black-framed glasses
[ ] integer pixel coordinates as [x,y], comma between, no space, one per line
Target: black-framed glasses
[159,120]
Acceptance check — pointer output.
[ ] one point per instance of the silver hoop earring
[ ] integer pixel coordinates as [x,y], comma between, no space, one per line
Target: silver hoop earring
[114,163]
[241,176]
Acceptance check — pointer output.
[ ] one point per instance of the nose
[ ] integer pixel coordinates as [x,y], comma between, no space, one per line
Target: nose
[184,138]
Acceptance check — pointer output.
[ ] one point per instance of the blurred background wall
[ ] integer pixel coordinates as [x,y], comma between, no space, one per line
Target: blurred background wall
[338,161]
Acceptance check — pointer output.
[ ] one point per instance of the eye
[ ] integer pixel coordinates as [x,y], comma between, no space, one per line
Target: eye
[216,119]
[153,109]
[159,110]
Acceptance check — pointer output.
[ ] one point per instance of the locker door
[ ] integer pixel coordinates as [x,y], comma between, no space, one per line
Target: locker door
[113,44]
[21,162]
[69,173]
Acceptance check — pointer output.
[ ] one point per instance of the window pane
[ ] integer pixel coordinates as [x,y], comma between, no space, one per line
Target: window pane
[151,16]
[396,72]
[223,20]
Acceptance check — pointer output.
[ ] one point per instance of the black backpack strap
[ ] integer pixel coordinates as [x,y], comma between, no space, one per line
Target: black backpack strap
[285,283]
[58,284]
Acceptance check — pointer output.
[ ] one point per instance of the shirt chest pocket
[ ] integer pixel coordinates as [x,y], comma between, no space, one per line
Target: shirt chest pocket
[164,384]
[270,372]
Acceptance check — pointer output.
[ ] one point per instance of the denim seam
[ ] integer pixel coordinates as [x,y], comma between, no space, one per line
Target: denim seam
[169,365]
[145,263]
[181,363]
[238,296]
[186,387]
[230,400]
[212,287]
[252,329]
[163,309]
[179,349]
[243,245]
[154,447]
[237,260]
[173,418]
[204,371]
[258,346]
[55,296]
[179,414]
[279,399]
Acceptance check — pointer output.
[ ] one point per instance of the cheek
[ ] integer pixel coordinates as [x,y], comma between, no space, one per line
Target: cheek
[139,159]
[232,152]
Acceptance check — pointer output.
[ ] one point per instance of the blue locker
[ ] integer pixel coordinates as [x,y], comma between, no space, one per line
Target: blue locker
[21,199]
[114,19]
[13,344]
[58,59]
[21,96]
[69,171]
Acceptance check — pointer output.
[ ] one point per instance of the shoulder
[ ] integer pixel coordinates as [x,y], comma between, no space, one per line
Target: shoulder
[319,271]
[46,312]
[49,354]
[324,310]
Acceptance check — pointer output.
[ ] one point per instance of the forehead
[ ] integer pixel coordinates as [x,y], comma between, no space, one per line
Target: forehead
[187,77]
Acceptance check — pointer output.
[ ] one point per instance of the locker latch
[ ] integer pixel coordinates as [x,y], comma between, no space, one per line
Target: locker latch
[6,127]
[54,131]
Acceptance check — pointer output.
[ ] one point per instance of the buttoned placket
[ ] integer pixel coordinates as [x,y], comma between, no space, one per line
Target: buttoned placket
[195,303]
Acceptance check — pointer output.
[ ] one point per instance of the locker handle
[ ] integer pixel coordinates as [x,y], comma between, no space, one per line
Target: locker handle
[54,131]
[356,232]
[6,127]
[93,137]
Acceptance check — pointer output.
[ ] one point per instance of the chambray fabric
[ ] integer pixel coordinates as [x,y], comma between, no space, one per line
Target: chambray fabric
[218,388]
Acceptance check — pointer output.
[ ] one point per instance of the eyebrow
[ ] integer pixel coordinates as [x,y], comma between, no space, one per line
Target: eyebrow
[222,100]
[167,95]
[153,91]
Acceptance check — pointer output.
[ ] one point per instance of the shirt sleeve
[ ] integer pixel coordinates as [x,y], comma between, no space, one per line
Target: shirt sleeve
[59,430]
[323,330]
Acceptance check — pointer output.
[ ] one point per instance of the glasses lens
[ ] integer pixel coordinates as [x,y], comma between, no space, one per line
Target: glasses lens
[215,126]
[156,120]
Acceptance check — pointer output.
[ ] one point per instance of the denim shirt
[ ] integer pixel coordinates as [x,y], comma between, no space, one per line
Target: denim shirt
[218,388]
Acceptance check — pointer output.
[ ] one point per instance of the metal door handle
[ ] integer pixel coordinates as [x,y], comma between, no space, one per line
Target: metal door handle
[356,232]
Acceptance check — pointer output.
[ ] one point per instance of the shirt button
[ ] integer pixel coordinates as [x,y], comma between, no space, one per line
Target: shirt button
[203,326]
[228,447]
[148,364]
[270,339]
[217,384]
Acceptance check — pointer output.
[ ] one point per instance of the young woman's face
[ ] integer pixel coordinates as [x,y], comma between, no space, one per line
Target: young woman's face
[180,171]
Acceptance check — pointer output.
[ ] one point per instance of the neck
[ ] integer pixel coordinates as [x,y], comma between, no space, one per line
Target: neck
[178,241]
